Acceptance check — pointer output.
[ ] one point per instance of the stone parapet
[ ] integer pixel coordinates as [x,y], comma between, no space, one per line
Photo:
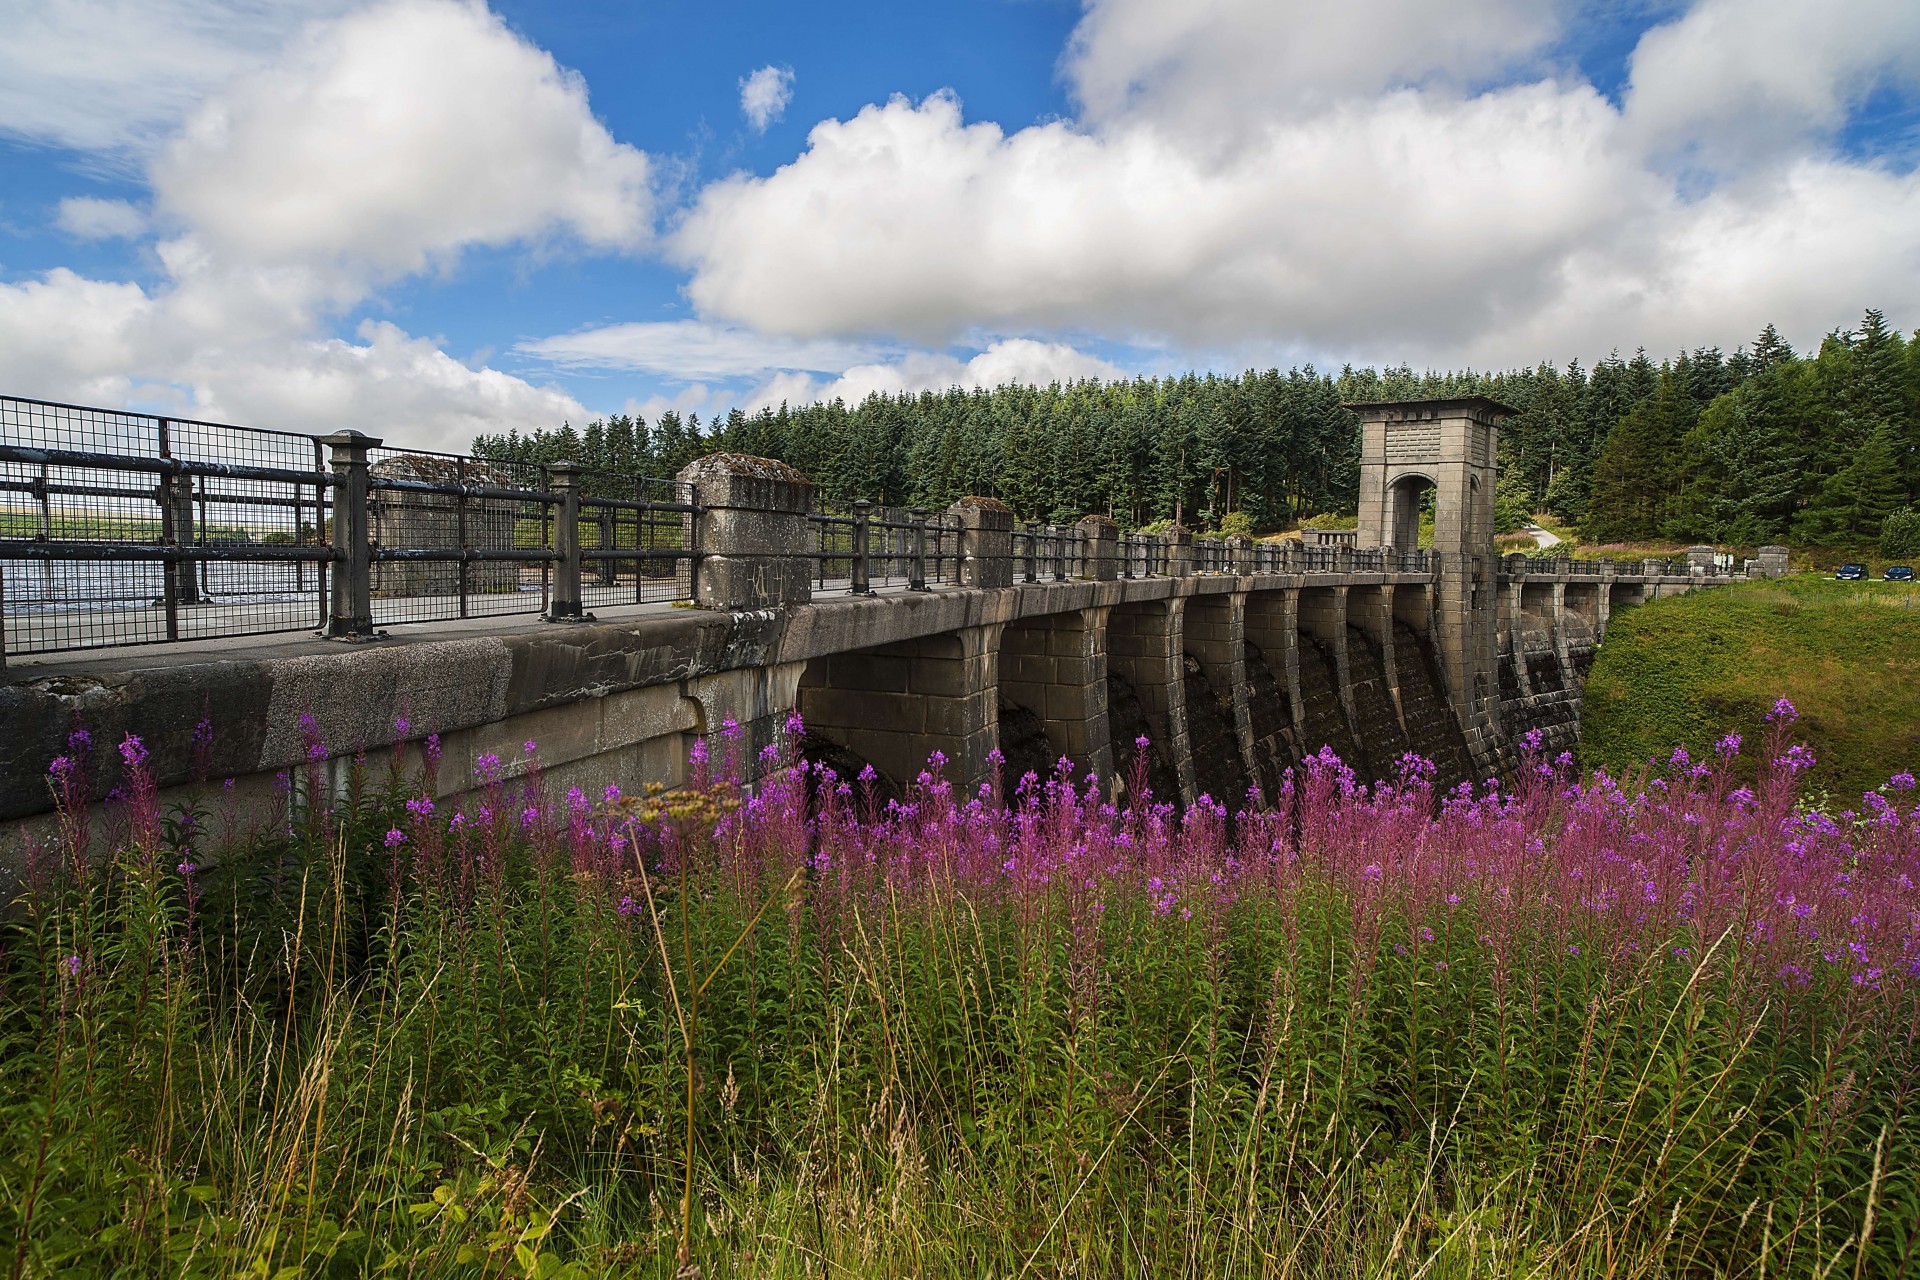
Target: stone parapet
[1102,541]
[751,531]
[986,541]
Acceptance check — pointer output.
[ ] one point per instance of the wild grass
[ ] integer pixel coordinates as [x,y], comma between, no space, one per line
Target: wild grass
[1564,1030]
[1693,668]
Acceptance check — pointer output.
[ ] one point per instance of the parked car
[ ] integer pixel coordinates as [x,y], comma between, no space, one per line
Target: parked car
[1851,572]
[1898,573]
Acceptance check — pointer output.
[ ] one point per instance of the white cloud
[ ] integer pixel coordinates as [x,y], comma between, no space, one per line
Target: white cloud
[91,218]
[1012,360]
[117,76]
[1741,79]
[70,338]
[392,138]
[1412,213]
[764,96]
[687,349]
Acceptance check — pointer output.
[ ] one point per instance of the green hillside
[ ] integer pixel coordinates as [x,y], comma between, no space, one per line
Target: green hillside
[1690,669]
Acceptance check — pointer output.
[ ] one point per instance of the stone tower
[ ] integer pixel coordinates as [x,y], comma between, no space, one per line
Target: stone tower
[1406,448]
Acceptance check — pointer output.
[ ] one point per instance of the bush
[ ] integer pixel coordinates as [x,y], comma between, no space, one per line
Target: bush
[1236,525]
[1900,535]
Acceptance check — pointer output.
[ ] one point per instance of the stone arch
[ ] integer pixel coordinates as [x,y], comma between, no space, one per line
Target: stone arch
[894,705]
[1405,492]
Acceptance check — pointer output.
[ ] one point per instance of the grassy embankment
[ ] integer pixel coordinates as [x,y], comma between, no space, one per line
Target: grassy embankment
[1691,669]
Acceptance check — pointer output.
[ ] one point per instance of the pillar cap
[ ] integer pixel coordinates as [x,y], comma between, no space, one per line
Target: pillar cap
[350,438]
[741,464]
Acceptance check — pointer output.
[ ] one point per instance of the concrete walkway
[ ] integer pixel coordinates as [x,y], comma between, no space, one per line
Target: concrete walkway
[1541,537]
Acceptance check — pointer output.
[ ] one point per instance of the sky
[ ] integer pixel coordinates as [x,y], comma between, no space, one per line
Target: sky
[427,219]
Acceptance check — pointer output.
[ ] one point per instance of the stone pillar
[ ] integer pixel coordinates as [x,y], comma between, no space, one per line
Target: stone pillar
[1272,624]
[1055,666]
[1214,632]
[1144,646]
[1179,552]
[1240,555]
[986,542]
[1773,561]
[565,605]
[1371,609]
[1700,560]
[1322,614]
[351,614]
[751,532]
[1102,541]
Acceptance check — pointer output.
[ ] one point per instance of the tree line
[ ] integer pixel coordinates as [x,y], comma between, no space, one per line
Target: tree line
[1762,445]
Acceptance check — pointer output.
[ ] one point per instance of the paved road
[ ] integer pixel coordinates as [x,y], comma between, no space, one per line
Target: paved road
[1541,537]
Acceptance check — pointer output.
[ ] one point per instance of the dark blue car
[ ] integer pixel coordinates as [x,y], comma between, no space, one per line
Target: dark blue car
[1851,572]
[1899,573]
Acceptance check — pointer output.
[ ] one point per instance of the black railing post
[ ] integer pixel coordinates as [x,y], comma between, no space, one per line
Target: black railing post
[918,579]
[565,604]
[860,570]
[1031,568]
[186,574]
[608,525]
[351,615]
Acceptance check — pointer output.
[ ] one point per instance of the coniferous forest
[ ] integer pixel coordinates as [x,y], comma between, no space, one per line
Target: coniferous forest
[1767,444]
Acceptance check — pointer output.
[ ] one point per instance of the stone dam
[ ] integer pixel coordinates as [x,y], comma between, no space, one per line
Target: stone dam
[1232,667]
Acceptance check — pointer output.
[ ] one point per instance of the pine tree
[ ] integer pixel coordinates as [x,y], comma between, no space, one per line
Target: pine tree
[1633,478]
[1854,503]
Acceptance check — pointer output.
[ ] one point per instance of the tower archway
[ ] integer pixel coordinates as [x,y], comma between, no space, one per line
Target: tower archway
[1406,497]
[1406,447]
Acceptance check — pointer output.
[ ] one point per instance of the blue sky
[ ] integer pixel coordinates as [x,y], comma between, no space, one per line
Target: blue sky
[428,218]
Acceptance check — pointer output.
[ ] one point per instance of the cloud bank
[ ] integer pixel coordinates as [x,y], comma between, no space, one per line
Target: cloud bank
[1302,178]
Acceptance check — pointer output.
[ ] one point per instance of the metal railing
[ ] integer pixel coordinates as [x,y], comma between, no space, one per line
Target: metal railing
[124,528]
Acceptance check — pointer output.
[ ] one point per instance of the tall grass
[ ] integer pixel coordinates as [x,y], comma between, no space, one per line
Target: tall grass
[1559,1030]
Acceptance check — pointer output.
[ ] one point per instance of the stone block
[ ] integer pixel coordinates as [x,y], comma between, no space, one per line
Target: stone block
[956,717]
[946,677]
[877,673]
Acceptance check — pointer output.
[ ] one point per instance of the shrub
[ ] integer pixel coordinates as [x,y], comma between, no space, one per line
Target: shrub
[1900,535]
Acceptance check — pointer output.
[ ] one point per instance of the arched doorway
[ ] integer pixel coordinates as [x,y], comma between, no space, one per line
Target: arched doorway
[1405,499]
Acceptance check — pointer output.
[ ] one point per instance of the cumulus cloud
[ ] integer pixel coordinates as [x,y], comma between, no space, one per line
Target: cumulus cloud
[90,218]
[689,349]
[1384,221]
[1367,200]
[764,96]
[382,142]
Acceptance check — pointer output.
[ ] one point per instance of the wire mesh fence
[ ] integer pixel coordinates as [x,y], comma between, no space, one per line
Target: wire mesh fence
[637,539]
[122,528]
[458,537]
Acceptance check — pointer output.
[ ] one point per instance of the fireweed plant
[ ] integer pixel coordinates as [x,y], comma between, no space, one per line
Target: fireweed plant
[490,1026]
